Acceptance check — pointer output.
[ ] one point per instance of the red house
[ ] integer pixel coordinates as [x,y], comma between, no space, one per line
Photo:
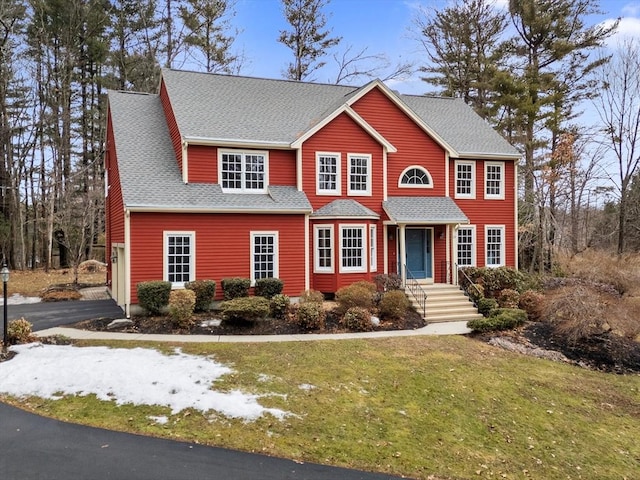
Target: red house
[319,185]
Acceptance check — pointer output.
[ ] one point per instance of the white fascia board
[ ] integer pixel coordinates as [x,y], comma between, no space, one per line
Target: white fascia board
[345,217]
[233,142]
[345,108]
[489,156]
[405,108]
[161,209]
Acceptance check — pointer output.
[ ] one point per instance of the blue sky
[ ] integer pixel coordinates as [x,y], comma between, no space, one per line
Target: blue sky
[381,26]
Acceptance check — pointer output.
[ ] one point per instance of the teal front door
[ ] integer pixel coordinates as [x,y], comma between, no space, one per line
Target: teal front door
[418,248]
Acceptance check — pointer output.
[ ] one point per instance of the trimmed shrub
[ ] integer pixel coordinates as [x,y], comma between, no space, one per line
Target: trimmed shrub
[508,298]
[181,306]
[359,294]
[249,309]
[531,302]
[495,280]
[311,296]
[235,287]
[268,287]
[487,305]
[153,296]
[393,305]
[310,315]
[357,319]
[19,331]
[475,292]
[279,305]
[386,283]
[205,291]
[501,319]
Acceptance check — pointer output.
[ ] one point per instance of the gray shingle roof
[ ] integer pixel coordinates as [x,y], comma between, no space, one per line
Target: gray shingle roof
[429,210]
[344,208]
[258,110]
[149,173]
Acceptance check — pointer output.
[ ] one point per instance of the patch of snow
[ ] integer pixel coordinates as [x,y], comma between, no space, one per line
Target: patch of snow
[306,387]
[17,299]
[161,420]
[215,322]
[375,321]
[120,322]
[136,376]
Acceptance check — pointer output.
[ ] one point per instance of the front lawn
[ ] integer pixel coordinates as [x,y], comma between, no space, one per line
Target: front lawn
[424,407]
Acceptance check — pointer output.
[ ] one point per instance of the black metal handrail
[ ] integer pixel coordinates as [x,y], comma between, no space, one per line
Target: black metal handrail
[469,282]
[416,290]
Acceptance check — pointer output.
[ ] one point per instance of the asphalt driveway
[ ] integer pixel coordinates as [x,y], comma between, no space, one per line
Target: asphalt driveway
[45,315]
[34,447]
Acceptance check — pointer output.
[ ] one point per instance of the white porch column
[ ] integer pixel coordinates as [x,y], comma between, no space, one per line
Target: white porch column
[403,253]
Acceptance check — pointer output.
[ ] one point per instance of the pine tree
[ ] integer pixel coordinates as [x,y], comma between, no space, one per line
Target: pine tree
[307,39]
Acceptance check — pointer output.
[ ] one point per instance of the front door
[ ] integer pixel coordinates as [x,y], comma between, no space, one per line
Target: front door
[418,248]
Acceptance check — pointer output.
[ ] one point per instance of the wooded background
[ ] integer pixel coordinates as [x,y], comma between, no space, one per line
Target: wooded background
[579,183]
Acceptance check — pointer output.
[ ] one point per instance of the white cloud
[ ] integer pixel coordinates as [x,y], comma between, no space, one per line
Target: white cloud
[138,376]
[631,9]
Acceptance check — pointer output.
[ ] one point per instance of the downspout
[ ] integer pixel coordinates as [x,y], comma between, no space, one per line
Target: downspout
[127,263]
[185,162]
[307,244]
[403,253]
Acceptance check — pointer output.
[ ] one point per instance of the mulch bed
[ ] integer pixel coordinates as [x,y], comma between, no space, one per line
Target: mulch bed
[163,325]
[606,352]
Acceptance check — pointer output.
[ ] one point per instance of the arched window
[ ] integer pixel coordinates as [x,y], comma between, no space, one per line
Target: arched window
[415,177]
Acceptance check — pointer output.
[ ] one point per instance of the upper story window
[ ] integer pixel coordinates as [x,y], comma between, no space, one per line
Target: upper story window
[465,179]
[359,174]
[415,177]
[328,173]
[494,180]
[243,172]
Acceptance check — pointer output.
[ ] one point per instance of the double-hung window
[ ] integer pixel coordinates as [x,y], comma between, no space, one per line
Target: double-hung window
[352,248]
[243,172]
[494,245]
[359,174]
[179,256]
[494,180]
[465,179]
[373,248]
[264,255]
[323,248]
[328,173]
[466,246]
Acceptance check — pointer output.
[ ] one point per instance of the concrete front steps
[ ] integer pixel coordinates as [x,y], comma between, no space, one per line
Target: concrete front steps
[447,303]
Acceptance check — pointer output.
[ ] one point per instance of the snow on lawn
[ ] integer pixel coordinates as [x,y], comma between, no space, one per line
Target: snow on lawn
[139,376]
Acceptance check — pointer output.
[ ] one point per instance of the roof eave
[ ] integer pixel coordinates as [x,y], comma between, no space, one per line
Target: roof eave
[489,156]
[235,142]
[190,209]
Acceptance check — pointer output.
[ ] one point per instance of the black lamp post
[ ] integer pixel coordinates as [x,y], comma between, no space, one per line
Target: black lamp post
[4,273]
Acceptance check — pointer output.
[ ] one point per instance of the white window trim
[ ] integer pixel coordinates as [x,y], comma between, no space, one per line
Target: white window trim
[407,185]
[363,268]
[276,252]
[338,189]
[359,193]
[474,246]
[502,181]
[502,245]
[316,267]
[243,153]
[373,248]
[471,195]
[165,255]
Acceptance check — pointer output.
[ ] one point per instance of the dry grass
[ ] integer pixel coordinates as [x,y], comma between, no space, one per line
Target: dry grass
[31,283]
[603,267]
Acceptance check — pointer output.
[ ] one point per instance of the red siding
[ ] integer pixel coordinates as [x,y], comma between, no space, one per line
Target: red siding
[202,164]
[414,146]
[282,167]
[222,246]
[483,212]
[114,205]
[176,138]
[343,136]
